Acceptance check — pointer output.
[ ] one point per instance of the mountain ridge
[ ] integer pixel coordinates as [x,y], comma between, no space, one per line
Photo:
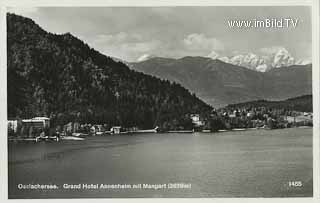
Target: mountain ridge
[208,58]
[219,83]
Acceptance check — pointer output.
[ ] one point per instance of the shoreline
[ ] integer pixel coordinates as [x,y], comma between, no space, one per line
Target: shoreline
[75,138]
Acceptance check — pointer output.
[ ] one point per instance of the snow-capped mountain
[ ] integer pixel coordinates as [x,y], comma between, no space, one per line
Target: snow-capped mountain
[265,60]
[219,83]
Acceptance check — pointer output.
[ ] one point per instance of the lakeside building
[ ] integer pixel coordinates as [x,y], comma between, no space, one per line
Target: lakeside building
[261,116]
[196,120]
[71,127]
[37,122]
[12,125]
[302,118]
[28,127]
[225,118]
[115,130]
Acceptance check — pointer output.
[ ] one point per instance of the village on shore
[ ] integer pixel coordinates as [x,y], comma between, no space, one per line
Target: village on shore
[39,128]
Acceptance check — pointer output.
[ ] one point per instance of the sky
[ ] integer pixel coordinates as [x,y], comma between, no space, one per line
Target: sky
[136,33]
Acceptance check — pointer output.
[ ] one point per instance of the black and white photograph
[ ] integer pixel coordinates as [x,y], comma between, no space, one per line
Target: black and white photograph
[159,102]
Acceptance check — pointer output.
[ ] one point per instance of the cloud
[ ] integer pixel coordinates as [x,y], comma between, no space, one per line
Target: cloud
[25,11]
[134,47]
[128,33]
[141,47]
[144,57]
[125,46]
[213,55]
[116,38]
[303,61]
[199,42]
[270,50]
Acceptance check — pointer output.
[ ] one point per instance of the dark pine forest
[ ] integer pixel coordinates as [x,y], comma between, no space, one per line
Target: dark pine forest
[61,77]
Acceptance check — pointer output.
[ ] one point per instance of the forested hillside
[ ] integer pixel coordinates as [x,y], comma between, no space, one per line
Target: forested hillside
[61,77]
[302,103]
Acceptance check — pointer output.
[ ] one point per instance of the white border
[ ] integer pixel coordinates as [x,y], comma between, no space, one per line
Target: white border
[141,3]
[3,104]
[85,3]
[316,95]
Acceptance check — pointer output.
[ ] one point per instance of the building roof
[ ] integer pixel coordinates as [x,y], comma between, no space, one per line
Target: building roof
[41,118]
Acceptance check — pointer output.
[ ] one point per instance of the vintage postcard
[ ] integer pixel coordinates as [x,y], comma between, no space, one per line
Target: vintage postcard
[161,101]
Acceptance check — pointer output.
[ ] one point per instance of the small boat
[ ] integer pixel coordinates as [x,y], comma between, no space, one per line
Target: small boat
[99,133]
[79,134]
[155,130]
[238,129]
[15,139]
[252,128]
[180,131]
[72,138]
[46,138]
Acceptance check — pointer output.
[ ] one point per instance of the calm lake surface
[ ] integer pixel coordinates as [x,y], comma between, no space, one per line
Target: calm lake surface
[253,163]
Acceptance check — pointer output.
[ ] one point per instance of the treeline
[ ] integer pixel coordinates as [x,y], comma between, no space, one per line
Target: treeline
[301,103]
[61,77]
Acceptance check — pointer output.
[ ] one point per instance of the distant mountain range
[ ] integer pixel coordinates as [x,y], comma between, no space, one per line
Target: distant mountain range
[267,59]
[219,83]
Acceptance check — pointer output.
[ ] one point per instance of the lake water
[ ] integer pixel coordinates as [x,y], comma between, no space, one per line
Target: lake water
[253,163]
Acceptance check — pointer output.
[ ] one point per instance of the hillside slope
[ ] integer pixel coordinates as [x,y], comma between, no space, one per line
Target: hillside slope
[302,104]
[62,77]
[219,83]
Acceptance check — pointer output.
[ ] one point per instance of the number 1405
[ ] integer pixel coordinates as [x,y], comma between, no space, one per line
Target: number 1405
[295,184]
